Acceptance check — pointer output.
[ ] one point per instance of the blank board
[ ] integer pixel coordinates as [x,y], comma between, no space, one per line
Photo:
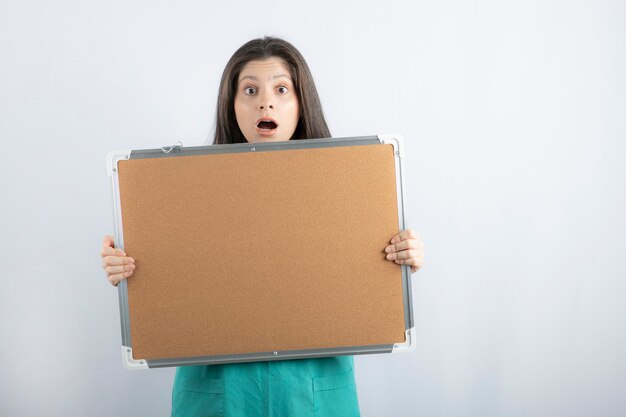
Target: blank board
[264,251]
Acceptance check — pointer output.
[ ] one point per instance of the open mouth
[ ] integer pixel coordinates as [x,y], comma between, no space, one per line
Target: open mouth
[267,125]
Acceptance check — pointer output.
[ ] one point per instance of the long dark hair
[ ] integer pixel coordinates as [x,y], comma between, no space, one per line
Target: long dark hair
[311,123]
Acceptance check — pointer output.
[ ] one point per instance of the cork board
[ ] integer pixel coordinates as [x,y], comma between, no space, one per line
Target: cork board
[247,252]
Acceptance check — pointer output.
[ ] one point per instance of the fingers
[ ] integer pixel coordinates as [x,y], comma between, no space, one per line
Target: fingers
[115,263]
[108,242]
[406,249]
[405,244]
[410,261]
[415,263]
[107,251]
[119,269]
[115,259]
[108,247]
[406,255]
[405,234]
[115,279]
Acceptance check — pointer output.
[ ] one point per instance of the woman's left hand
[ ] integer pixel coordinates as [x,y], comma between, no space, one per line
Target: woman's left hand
[406,249]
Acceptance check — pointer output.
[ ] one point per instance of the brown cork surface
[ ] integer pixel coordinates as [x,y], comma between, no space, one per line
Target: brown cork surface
[259,252]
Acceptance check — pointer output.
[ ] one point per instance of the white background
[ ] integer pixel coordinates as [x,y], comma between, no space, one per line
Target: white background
[514,118]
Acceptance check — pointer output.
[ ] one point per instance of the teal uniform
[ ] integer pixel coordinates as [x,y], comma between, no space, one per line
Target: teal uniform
[320,387]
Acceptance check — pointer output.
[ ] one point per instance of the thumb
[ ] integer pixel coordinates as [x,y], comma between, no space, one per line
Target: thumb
[108,242]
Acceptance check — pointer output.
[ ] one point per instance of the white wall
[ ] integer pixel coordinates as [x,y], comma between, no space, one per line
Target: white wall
[514,116]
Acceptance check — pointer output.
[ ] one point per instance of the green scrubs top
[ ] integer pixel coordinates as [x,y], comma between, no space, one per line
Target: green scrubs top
[317,387]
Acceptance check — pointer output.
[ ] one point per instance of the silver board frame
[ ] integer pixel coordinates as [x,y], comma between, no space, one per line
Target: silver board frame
[177,150]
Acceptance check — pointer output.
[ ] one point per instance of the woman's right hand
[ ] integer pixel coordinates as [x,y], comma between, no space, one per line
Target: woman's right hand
[115,262]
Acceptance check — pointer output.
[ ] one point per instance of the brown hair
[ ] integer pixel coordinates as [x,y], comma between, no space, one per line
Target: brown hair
[311,123]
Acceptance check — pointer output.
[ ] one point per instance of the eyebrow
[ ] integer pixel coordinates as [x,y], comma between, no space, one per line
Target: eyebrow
[253,78]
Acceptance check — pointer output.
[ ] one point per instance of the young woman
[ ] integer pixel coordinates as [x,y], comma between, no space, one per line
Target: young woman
[267,94]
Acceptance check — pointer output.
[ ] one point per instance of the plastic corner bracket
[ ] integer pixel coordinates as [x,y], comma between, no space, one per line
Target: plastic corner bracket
[130,363]
[113,158]
[409,342]
[394,139]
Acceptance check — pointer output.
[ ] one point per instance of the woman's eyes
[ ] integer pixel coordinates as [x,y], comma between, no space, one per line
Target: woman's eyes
[252,90]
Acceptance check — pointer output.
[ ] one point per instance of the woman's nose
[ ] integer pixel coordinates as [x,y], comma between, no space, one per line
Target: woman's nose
[266,103]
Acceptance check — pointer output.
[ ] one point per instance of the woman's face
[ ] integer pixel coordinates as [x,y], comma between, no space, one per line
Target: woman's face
[266,103]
